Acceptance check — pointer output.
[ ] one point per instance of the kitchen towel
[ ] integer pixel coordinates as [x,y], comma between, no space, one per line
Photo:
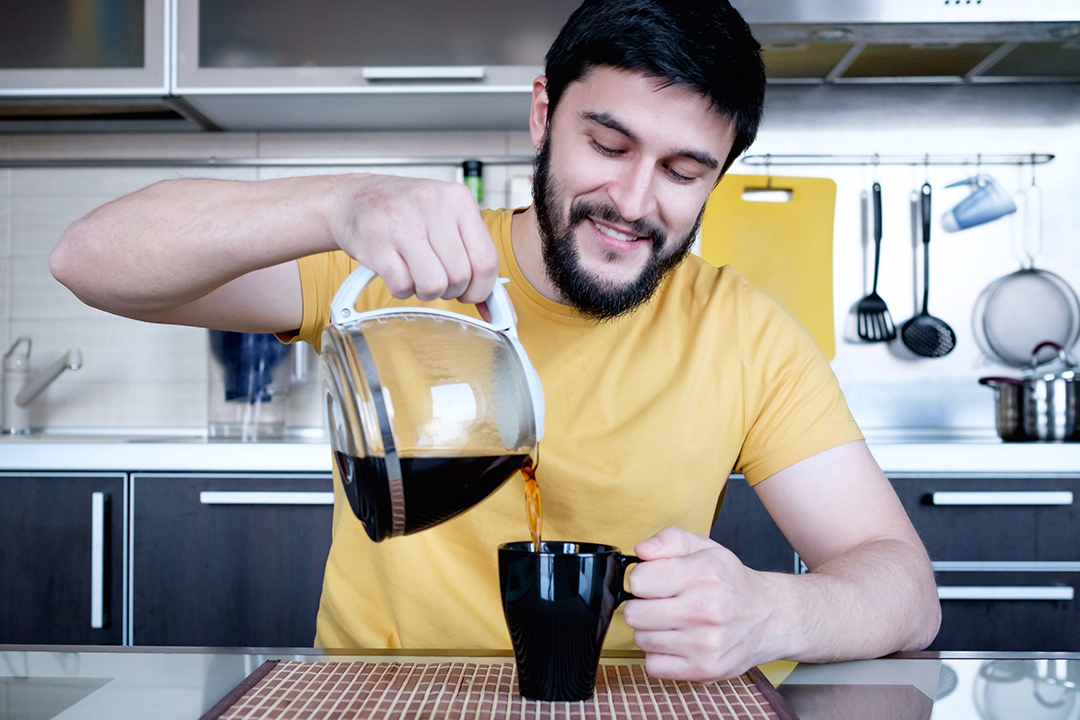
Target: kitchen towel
[778,231]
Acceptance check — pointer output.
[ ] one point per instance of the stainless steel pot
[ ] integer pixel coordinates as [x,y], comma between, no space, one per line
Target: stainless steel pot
[1040,406]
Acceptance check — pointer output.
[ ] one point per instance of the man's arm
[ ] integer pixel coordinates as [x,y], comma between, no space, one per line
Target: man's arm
[219,253]
[870,590]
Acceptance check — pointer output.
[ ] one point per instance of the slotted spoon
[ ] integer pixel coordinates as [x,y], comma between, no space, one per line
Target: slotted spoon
[925,334]
[874,322]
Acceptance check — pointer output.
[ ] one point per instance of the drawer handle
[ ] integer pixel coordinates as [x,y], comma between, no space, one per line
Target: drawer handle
[97,560]
[419,72]
[248,497]
[1023,497]
[1004,592]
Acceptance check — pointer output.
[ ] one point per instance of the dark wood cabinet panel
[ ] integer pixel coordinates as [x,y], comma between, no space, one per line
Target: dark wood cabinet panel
[1003,533]
[233,574]
[46,543]
[1024,622]
[995,532]
[745,527]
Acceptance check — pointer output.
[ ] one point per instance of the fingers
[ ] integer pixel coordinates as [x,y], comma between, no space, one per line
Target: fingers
[422,237]
[483,259]
[672,542]
[681,667]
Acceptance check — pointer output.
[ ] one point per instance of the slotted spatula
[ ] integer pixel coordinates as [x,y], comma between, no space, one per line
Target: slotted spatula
[874,322]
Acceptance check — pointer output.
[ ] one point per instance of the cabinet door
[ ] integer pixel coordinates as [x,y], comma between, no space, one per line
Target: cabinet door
[745,527]
[228,560]
[995,519]
[58,48]
[1009,611]
[61,559]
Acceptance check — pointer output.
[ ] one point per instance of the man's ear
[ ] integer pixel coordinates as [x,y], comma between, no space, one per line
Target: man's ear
[538,111]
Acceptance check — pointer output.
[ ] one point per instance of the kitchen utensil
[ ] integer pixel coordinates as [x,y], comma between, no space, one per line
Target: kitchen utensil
[429,411]
[784,247]
[988,201]
[1041,405]
[875,323]
[1027,307]
[925,334]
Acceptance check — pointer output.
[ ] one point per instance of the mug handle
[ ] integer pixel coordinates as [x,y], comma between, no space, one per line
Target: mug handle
[624,562]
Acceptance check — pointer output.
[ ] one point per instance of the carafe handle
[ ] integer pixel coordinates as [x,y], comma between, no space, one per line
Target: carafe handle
[343,306]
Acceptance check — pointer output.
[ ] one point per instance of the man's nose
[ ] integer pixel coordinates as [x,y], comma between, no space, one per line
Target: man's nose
[633,192]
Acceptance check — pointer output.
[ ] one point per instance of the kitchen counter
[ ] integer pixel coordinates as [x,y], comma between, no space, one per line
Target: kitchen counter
[82,683]
[902,450]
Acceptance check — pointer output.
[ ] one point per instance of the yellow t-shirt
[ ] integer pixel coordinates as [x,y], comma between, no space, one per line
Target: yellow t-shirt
[646,417]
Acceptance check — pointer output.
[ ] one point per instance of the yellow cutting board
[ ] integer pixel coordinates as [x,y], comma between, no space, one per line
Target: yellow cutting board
[785,248]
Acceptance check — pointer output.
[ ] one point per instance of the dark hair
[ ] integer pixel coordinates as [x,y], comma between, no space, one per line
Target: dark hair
[702,44]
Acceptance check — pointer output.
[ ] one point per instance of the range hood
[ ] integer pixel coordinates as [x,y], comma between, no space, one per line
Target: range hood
[917,41]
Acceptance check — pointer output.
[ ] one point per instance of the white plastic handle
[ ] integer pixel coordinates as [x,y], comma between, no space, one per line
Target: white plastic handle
[1004,497]
[1005,592]
[343,306]
[97,560]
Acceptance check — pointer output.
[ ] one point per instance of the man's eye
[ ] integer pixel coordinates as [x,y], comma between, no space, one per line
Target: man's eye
[604,150]
[678,177]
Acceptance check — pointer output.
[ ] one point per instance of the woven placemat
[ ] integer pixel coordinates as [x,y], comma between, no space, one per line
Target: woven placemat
[288,690]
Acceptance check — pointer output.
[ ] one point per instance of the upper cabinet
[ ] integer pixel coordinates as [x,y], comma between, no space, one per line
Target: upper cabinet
[88,64]
[348,64]
[342,65]
[83,47]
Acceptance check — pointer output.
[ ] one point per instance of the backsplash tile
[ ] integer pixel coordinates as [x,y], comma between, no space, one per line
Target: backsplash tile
[116,349]
[128,145]
[382,144]
[109,183]
[36,295]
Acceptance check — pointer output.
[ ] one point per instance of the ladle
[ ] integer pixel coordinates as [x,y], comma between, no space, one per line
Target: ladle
[925,334]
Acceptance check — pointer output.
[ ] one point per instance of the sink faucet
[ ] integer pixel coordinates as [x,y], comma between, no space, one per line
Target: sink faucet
[19,388]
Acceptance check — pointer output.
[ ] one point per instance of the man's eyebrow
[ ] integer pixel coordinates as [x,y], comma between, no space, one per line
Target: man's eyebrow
[609,121]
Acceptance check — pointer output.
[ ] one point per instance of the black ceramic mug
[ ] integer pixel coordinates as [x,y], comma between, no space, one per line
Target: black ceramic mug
[558,605]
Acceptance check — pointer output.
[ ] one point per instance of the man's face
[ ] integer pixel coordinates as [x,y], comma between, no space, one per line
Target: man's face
[621,179]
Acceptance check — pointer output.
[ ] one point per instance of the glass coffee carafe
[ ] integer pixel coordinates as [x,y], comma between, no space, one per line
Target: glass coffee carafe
[429,411]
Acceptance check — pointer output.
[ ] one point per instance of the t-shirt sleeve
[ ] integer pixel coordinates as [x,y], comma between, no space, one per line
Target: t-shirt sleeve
[794,405]
[320,277]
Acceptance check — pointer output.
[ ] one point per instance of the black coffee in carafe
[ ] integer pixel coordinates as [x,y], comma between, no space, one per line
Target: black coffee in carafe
[434,488]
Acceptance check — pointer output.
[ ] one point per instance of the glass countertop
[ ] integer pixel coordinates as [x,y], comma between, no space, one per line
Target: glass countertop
[79,683]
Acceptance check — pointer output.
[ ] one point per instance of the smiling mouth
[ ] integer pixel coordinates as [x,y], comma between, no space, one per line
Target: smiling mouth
[615,234]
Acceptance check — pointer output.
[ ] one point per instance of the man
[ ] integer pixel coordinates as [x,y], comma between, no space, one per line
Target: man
[662,374]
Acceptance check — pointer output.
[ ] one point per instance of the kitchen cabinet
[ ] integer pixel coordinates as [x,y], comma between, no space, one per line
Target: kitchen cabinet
[745,527]
[62,558]
[228,560]
[415,64]
[1007,558]
[57,48]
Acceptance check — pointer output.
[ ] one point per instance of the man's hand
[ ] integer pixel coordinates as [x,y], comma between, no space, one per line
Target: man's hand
[701,614]
[422,237]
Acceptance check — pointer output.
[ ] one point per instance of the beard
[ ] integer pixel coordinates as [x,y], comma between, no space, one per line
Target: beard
[592,296]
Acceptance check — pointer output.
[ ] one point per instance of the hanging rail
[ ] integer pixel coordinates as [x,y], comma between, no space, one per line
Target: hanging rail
[210,162]
[770,159]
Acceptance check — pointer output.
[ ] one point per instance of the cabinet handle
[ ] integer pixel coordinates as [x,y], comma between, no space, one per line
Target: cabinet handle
[249,497]
[418,72]
[97,560]
[1023,497]
[1004,592]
